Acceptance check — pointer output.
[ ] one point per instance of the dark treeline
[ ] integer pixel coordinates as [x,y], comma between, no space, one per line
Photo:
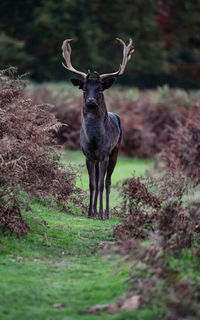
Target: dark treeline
[166,37]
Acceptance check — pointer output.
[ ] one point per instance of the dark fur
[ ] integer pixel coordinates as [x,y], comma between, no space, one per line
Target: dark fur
[100,139]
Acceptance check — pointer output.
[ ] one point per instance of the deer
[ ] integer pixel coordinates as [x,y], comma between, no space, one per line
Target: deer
[101,133]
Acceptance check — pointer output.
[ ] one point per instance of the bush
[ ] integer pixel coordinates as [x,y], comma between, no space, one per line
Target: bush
[155,209]
[183,150]
[162,211]
[28,161]
[159,284]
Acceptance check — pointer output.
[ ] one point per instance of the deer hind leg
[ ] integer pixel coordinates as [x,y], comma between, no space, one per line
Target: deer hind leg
[111,166]
[96,187]
[91,171]
[102,170]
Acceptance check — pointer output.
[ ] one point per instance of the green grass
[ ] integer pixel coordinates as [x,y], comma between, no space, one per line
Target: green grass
[60,262]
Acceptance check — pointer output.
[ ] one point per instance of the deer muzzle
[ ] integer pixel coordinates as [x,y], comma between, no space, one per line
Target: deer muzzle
[91,102]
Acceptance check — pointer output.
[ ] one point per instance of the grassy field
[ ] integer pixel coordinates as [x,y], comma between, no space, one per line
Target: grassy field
[58,271]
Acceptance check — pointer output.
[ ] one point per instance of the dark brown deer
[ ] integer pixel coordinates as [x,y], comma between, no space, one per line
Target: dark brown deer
[101,130]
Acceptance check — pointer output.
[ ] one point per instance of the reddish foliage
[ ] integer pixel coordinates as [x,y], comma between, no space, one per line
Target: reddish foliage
[146,124]
[183,150]
[157,283]
[160,210]
[69,133]
[139,192]
[27,162]
[67,110]
[156,210]
[10,216]
[138,222]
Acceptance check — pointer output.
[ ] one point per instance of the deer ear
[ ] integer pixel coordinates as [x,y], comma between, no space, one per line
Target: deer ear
[106,84]
[77,82]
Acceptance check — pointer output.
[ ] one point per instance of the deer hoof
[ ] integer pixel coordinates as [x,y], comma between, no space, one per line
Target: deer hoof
[95,213]
[90,215]
[100,216]
[107,215]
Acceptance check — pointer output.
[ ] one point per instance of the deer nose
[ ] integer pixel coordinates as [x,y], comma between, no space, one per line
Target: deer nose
[90,100]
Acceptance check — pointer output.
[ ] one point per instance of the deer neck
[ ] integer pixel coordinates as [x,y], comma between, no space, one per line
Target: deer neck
[96,114]
[94,122]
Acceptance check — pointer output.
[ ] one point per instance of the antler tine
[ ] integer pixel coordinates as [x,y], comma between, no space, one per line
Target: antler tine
[88,74]
[97,74]
[66,52]
[127,52]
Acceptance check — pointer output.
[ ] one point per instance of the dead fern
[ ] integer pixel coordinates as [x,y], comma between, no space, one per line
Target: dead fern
[28,160]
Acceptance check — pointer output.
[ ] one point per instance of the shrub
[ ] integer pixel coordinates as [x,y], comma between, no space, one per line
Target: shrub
[161,211]
[28,161]
[183,150]
[156,209]
[158,283]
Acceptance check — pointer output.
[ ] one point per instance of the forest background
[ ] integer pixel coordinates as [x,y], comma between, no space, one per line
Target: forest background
[166,38]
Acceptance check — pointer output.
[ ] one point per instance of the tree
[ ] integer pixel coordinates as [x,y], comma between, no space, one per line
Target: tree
[166,38]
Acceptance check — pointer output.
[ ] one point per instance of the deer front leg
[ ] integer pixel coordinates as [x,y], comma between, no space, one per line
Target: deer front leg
[108,183]
[102,170]
[111,167]
[96,187]
[91,172]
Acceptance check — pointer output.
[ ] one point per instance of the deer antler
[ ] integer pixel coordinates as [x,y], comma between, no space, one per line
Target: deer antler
[127,52]
[66,52]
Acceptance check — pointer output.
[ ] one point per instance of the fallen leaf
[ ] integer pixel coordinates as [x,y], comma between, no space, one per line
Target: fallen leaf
[19,258]
[113,308]
[131,303]
[105,244]
[97,308]
[128,304]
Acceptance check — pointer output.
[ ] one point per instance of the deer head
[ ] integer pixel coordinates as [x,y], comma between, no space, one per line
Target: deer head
[93,88]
